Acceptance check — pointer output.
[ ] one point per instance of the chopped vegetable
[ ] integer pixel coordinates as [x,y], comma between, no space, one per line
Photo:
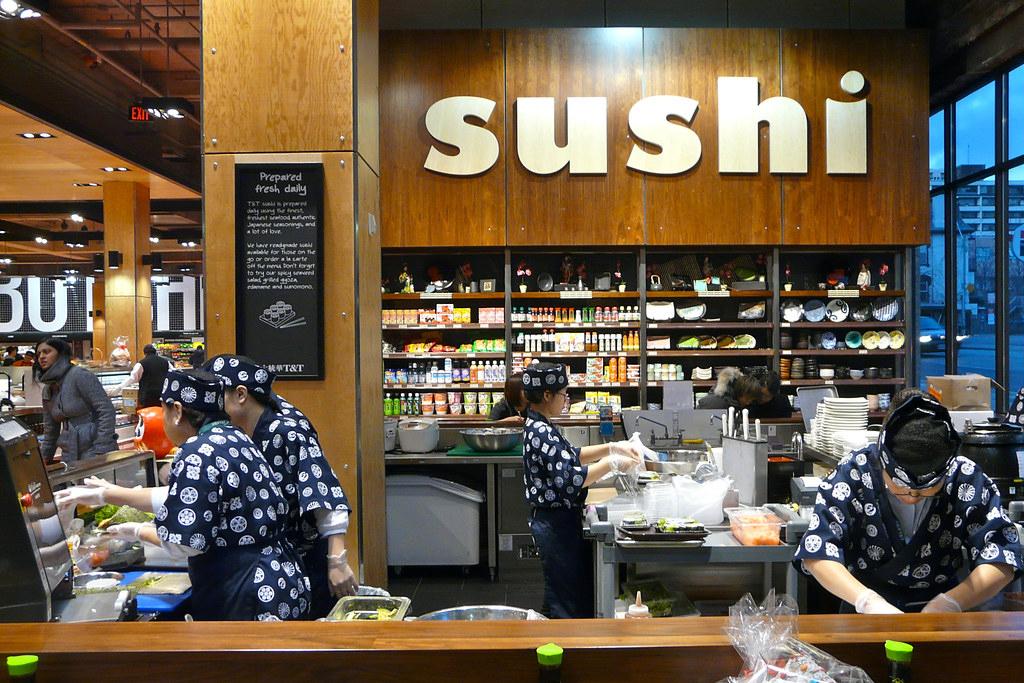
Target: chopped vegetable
[670,525]
[126,513]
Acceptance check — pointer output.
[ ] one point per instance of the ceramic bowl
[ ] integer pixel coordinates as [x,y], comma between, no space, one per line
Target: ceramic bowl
[827,373]
[856,374]
[853,339]
[792,312]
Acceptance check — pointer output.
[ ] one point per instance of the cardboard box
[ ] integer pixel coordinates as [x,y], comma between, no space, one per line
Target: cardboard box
[957,392]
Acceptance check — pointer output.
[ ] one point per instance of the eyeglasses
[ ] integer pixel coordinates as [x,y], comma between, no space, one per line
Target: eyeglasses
[915,493]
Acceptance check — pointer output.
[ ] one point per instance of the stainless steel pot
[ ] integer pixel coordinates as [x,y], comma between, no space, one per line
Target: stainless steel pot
[482,613]
[492,439]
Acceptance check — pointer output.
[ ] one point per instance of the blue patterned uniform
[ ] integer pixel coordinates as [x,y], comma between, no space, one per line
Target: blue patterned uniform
[854,524]
[552,473]
[222,501]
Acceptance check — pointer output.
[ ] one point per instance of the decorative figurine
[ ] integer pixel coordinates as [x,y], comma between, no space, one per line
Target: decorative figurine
[405,280]
[523,271]
[464,277]
[883,284]
[864,276]
[789,278]
[567,269]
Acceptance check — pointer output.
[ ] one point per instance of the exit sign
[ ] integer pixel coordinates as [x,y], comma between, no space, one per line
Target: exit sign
[137,113]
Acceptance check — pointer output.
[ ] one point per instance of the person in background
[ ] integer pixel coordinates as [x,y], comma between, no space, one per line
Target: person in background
[198,356]
[759,391]
[149,373]
[892,521]
[1015,415]
[511,409]
[78,416]
[317,507]
[28,361]
[11,356]
[221,510]
[556,475]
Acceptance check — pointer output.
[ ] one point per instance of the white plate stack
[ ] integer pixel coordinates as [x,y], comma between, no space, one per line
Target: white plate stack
[835,419]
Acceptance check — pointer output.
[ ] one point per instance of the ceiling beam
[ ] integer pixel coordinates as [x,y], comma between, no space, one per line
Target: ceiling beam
[92,209]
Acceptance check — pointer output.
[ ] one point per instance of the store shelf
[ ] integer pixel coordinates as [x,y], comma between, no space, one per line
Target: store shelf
[698,353]
[606,385]
[847,325]
[576,326]
[718,325]
[846,293]
[576,295]
[697,383]
[895,381]
[587,354]
[842,352]
[445,328]
[442,356]
[442,387]
[443,296]
[728,294]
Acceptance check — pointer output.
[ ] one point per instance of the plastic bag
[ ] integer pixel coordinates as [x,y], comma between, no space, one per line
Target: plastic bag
[702,500]
[120,357]
[765,637]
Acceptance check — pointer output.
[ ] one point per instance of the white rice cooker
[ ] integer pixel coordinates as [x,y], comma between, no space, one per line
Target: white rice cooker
[418,436]
[390,435]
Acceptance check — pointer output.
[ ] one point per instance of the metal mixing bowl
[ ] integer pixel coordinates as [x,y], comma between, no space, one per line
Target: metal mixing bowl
[482,613]
[492,439]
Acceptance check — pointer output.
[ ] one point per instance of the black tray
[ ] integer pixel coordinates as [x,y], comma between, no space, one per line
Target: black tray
[652,535]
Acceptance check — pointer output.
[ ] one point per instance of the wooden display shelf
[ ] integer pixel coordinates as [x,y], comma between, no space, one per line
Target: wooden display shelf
[442,387]
[827,326]
[895,381]
[717,325]
[605,385]
[577,354]
[697,383]
[443,296]
[576,326]
[697,353]
[726,294]
[445,328]
[843,352]
[442,355]
[577,295]
[824,294]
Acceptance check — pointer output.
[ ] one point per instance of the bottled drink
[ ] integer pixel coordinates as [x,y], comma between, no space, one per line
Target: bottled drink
[899,656]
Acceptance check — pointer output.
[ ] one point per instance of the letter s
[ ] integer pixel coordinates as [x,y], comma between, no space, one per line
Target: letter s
[446,122]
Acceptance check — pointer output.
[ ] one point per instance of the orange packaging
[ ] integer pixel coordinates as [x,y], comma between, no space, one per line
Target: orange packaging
[622,369]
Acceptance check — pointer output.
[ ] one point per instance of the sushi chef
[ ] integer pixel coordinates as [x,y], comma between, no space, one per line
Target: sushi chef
[317,507]
[893,522]
[556,477]
[221,509]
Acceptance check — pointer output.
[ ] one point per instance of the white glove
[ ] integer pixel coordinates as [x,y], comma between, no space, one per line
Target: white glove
[79,495]
[340,576]
[639,445]
[129,531]
[942,603]
[870,602]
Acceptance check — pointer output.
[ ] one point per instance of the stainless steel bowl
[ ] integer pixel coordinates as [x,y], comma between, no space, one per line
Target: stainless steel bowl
[492,439]
[482,613]
[679,461]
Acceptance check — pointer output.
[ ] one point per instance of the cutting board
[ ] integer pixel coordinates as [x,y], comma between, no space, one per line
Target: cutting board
[465,451]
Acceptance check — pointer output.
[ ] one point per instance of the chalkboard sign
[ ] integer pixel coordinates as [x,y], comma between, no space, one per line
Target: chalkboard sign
[279,219]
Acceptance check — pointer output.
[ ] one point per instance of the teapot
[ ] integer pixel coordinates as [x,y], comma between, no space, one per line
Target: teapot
[655,283]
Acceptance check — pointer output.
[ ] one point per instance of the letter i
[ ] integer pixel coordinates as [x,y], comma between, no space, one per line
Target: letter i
[846,129]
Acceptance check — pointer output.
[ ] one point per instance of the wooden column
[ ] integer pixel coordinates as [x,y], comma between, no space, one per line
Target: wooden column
[127,307]
[297,83]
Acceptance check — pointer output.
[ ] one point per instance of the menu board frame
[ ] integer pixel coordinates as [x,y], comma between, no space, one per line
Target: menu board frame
[266,348]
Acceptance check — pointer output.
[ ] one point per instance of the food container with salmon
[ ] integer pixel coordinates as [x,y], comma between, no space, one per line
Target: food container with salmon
[755,526]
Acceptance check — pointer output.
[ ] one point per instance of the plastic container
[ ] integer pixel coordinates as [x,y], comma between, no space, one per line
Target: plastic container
[899,656]
[701,500]
[22,668]
[432,522]
[755,526]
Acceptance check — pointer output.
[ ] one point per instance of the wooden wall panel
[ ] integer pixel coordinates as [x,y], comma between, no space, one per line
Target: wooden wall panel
[259,89]
[703,206]
[126,230]
[420,207]
[889,205]
[560,209]
[367,100]
[219,252]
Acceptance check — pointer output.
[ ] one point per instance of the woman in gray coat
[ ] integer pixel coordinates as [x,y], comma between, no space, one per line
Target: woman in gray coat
[77,413]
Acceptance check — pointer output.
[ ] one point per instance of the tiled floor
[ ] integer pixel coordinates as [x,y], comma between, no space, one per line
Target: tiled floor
[434,588]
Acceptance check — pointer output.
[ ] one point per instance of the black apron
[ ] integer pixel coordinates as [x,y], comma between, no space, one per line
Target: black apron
[567,562]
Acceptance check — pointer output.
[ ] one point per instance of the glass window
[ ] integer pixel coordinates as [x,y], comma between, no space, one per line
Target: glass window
[1016,283]
[931,261]
[976,289]
[1016,95]
[975,133]
[936,149]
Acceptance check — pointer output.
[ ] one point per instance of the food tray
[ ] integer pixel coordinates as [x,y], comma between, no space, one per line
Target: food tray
[368,604]
[755,525]
[652,535]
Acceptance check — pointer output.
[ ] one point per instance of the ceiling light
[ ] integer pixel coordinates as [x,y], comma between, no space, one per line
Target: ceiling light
[188,243]
[41,240]
[72,279]
[9,6]
[70,271]
[154,239]
[114,259]
[97,263]
[121,169]
[156,263]
[165,107]
[6,261]
[86,184]
[77,217]
[27,136]
[114,169]
[185,269]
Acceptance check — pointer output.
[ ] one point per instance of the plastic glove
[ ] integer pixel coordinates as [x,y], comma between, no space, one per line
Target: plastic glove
[625,449]
[870,602]
[621,464]
[340,576]
[942,603]
[79,495]
[129,531]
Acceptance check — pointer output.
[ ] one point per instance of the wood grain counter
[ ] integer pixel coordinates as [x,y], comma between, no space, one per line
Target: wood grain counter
[596,650]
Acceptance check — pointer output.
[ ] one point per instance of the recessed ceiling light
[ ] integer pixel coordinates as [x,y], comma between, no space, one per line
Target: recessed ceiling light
[154,239]
[77,217]
[121,168]
[6,261]
[36,136]
[41,240]
[86,184]
[114,169]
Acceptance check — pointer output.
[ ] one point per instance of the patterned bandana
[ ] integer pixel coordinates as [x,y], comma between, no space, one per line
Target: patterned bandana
[916,408]
[545,376]
[191,392]
[237,372]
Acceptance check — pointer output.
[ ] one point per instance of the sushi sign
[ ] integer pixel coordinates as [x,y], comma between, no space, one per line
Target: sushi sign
[455,121]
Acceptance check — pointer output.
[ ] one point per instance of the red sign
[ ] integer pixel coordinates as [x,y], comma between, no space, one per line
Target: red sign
[138,114]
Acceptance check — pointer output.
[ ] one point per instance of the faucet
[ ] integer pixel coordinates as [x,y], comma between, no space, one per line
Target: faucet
[797,442]
[663,426]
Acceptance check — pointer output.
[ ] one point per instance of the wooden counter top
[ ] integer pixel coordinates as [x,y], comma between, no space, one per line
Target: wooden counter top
[673,650]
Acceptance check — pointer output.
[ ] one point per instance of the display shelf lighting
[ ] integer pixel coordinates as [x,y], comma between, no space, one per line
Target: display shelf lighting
[114,259]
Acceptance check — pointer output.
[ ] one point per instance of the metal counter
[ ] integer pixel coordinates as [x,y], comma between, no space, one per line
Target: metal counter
[125,468]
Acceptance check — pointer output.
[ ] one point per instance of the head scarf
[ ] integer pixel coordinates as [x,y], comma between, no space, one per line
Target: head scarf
[545,377]
[238,372]
[918,442]
[192,392]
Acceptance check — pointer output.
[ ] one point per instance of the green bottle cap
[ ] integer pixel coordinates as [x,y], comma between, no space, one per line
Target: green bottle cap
[22,665]
[549,655]
[895,651]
